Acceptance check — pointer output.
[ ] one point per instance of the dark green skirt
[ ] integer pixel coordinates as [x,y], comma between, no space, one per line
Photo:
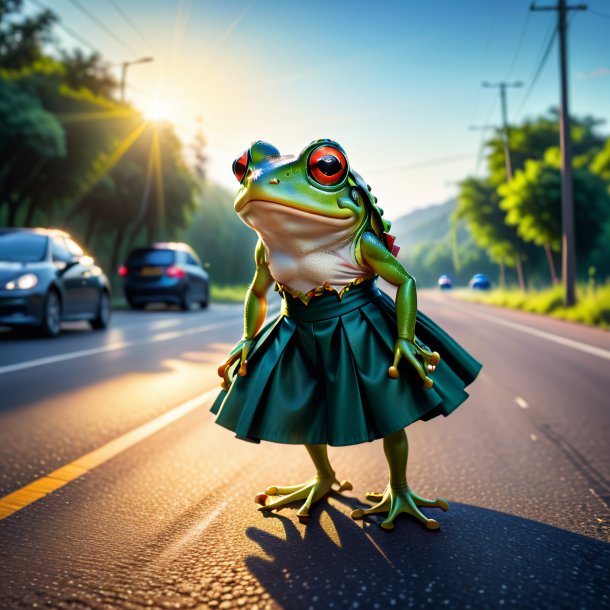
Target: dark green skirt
[319,374]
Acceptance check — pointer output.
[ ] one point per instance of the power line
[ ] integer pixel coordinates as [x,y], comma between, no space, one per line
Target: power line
[604,15]
[66,29]
[519,44]
[482,138]
[100,24]
[538,72]
[130,23]
[490,31]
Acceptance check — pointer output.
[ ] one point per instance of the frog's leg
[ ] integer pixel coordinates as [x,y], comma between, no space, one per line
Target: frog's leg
[313,490]
[397,497]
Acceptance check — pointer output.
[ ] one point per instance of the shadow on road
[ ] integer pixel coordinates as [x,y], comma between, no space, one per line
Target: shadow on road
[480,559]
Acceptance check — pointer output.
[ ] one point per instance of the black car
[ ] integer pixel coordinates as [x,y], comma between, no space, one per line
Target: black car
[46,278]
[165,273]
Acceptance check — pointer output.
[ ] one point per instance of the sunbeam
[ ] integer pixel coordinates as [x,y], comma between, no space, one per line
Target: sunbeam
[114,158]
[79,117]
[159,182]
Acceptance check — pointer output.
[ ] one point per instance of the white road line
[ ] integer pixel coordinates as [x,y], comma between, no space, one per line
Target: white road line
[600,352]
[113,347]
[521,402]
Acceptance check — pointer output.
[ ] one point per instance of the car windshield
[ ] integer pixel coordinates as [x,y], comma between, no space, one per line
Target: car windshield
[151,257]
[22,247]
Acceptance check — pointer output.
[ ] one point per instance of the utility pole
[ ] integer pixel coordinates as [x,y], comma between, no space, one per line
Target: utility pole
[568,254]
[502,85]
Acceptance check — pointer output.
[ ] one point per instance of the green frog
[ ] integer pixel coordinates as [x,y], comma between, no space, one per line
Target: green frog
[341,363]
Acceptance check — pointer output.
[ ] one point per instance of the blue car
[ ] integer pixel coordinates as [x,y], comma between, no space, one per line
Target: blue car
[445,283]
[46,278]
[479,282]
[168,272]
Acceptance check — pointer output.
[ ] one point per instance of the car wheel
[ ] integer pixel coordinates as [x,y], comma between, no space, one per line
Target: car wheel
[51,315]
[102,318]
[187,300]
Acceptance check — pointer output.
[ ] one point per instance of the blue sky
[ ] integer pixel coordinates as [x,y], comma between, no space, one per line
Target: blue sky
[396,83]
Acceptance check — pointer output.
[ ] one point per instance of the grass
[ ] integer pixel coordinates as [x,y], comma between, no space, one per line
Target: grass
[235,293]
[592,307]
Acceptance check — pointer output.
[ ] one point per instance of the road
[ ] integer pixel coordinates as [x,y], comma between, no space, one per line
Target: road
[163,517]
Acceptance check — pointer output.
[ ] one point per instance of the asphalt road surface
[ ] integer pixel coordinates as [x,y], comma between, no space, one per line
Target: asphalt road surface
[153,502]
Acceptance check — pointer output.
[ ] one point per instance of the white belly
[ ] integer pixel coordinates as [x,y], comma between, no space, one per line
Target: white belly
[306,250]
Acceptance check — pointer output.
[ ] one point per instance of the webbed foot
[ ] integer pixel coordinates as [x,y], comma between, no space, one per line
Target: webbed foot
[395,501]
[276,497]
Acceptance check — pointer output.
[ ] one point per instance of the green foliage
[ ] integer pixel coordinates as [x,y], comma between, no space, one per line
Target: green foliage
[221,238]
[228,293]
[26,127]
[478,204]
[21,38]
[88,73]
[532,201]
[532,138]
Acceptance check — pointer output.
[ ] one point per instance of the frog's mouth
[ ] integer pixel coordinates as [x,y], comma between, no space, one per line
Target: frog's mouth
[292,208]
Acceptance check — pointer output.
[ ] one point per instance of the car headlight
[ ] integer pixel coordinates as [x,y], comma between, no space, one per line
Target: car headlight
[23,282]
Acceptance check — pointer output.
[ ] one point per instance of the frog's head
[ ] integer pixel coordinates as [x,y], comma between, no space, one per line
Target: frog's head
[318,181]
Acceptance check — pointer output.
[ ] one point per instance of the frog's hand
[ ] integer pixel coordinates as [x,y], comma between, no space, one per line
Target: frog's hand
[422,359]
[238,354]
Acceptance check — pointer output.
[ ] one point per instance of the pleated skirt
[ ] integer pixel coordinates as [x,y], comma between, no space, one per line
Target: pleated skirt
[318,374]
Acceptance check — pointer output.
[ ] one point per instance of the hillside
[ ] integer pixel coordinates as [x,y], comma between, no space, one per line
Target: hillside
[426,250]
[425,224]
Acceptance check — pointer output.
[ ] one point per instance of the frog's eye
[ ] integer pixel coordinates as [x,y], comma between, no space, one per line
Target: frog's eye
[327,165]
[240,165]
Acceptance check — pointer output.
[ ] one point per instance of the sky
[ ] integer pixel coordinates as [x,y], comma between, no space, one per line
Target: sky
[396,83]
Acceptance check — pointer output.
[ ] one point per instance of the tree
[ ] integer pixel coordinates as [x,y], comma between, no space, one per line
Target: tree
[478,204]
[21,38]
[532,201]
[534,137]
[88,71]
[30,137]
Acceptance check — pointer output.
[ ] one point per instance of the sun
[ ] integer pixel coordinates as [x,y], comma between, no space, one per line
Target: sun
[157,109]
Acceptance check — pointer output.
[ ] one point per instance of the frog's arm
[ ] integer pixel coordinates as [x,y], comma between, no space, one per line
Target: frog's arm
[384,264]
[255,310]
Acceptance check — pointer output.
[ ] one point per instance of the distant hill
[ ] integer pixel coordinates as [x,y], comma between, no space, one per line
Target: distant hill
[426,249]
[425,224]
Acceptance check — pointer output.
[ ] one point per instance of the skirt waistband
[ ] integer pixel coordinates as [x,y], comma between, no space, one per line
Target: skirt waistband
[328,305]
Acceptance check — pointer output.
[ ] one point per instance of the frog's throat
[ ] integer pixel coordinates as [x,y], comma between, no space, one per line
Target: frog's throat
[297,210]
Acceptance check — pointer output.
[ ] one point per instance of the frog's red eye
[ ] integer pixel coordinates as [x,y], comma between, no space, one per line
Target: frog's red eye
[240,165]
[327,165]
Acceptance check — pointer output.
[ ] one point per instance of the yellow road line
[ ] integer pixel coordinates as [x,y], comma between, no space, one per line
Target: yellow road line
[46,485]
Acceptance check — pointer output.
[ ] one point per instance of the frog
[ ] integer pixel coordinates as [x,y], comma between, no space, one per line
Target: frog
[322,237]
